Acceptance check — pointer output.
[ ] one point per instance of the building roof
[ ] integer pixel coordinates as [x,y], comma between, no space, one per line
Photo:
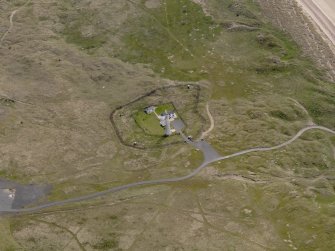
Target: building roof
[168,113]
[149,109]
[167,131]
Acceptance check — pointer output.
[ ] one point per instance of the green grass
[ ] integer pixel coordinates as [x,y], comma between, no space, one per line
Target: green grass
[7,242]
[165,107]
[75,25]
[177,38]
[181,43]
[171,39]
[149,122]
[74,36]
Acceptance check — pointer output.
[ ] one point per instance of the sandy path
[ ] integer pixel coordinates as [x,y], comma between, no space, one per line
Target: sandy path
[11,17]
[211,119]
[10,26]
[323,14]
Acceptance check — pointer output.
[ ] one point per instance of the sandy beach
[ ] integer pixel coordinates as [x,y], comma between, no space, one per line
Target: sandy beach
[323,14]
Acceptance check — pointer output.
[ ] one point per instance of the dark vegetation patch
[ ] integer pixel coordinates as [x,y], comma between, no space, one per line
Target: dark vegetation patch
[319,101]
[17,3]
[278,43]
[281,115]
[239,9]
[272,64]
[106,244]
[6,101]
[74,36]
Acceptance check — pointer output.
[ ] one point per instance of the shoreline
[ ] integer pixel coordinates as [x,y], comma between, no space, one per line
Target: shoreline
[322,13]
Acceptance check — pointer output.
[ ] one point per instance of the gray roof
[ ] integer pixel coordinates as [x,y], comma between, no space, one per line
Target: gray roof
[150,108]
[167,131]
[167,113]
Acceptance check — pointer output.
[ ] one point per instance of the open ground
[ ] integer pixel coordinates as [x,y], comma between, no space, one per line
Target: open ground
[66,65]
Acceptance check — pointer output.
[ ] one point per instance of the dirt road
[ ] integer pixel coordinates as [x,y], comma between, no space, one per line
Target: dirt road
[323,14]
[211,119]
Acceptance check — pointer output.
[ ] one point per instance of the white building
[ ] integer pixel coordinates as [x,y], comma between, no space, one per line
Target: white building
[167,116]
[165,121]
[167,131]
[150,109]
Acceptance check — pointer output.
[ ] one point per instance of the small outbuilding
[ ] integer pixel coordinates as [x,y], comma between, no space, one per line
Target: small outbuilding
[150,109]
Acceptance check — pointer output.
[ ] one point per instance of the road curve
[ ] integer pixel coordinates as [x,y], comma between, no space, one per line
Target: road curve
[166,180]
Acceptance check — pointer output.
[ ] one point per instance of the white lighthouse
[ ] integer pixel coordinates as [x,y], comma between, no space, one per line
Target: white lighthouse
[167,131]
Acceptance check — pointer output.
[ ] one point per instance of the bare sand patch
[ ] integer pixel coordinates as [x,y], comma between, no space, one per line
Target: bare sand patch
[152,4]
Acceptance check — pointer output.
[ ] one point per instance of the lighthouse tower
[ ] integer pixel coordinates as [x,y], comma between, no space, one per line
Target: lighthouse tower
[167,126]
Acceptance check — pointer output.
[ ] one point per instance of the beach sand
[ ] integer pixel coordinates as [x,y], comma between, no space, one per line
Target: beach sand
[323,14]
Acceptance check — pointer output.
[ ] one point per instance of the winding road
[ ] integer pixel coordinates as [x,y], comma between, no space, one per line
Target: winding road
[210,155]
